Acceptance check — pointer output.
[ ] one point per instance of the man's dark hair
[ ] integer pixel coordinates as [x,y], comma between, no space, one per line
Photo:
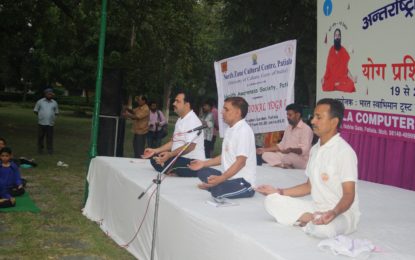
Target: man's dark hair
[4,140]
[188,98]
[212,102]
[295,107]
[336,109]
[207,102]
[338,30]
[6,150]
[240,103]
[144,98]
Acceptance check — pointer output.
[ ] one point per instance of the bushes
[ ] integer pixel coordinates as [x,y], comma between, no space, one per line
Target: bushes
[62,100]
[74,101]
[16,97]
[76,104]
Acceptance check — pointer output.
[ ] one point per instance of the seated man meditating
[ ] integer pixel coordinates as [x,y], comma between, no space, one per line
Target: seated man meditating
[163,155]
[293,150]
[238,157]
[332,177]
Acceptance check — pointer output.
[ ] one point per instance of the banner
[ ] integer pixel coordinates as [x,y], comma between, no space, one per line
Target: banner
[366,59]
[265,79]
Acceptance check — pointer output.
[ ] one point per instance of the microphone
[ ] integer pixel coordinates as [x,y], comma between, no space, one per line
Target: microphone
[197,129]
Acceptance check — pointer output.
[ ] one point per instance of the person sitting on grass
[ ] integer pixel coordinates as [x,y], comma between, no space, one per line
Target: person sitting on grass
[22,161]
[2,142]
[11,184]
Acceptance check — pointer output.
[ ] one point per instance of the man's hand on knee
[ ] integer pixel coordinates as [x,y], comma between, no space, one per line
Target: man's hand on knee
[304,219]
[323,218]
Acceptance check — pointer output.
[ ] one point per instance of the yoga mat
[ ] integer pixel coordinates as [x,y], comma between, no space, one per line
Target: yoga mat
[23,204]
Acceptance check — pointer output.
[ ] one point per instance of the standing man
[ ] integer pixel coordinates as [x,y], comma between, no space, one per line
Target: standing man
[215,115]
[238,158]
[207,120]
[332,178]
[46,110]
[140,116]
[163,155]
[156,123]
[294,148]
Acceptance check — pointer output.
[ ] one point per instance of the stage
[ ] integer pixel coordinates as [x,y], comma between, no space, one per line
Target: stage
[189,228]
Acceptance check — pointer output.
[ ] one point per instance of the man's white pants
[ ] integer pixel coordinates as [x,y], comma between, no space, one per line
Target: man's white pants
[287,210]
[277,159]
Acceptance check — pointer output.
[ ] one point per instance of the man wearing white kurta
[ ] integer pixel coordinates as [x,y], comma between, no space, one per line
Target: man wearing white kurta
[332,176]
[238,158]
[163,155]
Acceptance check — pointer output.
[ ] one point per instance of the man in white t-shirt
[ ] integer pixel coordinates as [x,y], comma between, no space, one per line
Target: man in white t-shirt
[332,177]
[163,155]
[238,158]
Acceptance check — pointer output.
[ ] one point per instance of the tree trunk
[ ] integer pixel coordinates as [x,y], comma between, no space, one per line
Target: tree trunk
[24,92]
[133,35]
[166,88]
[86,95]
[166,99]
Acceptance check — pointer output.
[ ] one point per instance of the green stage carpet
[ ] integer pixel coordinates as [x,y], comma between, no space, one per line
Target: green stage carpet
[23,203]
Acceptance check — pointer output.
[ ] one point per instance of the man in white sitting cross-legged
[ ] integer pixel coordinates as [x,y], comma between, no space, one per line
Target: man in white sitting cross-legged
[332,177]
[185,141]
[238,158]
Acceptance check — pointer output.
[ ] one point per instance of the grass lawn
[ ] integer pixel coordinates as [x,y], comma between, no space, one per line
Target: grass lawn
[59,231]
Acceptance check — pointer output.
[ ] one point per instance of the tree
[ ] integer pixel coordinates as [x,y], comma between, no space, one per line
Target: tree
[160,45]
[250,25]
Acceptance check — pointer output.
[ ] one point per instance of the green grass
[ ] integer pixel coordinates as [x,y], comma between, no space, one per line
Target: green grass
[59,231]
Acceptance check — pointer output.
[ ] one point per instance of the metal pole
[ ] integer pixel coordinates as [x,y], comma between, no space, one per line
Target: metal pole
[158,183]
[156,214]
[98,84]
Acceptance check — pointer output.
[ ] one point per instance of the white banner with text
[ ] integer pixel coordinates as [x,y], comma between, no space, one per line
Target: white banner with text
[265,79]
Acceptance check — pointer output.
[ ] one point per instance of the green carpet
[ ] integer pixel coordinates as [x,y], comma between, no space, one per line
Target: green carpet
[23,203]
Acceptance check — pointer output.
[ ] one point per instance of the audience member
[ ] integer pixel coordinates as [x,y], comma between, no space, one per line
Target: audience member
[11,184]
[207,120]
[163,155]
[3,142]
[22,160]
[293,150]
[259,143]
[156,123]
[332,177]
[140,116]
[46,109]
[238,158]
[215,115]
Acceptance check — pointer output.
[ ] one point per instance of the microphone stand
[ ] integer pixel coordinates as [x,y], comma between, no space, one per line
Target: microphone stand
[157,181]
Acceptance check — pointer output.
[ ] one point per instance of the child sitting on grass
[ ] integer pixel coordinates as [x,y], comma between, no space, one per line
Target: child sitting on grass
[11,184]
[22,161]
